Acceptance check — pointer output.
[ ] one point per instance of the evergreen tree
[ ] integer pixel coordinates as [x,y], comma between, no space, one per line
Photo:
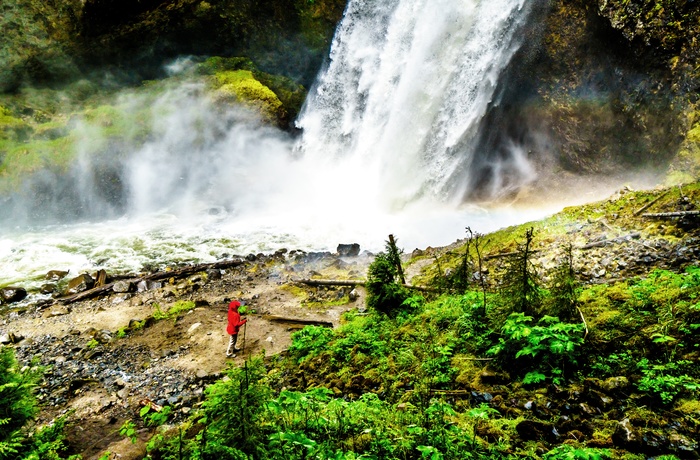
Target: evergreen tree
[385,290]
[521,286]
[564,287]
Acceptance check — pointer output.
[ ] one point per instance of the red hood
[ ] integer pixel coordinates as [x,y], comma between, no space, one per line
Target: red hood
[234,305]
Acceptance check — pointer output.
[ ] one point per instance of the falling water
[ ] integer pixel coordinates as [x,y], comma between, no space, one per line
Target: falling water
[406,90]
[388,146]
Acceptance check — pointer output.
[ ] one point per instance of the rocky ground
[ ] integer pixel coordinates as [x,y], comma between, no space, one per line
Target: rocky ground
[102,371]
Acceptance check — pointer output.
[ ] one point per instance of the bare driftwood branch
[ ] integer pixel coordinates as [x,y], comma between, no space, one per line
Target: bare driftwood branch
[285,319]
[584,323]
[671,215]
[651,203]
[619,239]
[325,282]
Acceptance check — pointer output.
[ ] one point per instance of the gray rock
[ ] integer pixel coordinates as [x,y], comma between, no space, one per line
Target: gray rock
[626,436]
[59,310]
[123,286]
[7,338]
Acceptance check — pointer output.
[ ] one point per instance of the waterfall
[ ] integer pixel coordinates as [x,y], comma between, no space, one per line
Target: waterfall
[405,92]
[389,144]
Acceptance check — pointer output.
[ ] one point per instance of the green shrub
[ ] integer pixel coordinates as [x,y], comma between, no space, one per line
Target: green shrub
[666,381]
[309,342]
[17,402]
[567,452]
[546,347]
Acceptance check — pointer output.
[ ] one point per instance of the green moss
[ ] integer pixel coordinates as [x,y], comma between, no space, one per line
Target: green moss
[242,87]
[23,159]
[180,307]
[689,407]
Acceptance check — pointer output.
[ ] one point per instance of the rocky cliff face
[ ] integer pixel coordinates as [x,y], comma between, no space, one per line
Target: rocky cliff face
[589,93]
[50,42]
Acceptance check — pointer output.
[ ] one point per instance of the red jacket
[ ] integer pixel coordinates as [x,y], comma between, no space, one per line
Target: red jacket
[234,318]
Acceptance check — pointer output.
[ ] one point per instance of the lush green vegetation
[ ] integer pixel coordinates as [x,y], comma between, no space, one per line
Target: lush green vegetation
[462,374]
[17,408]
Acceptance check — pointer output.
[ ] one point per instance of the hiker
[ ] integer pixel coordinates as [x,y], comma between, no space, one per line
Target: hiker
[234,324]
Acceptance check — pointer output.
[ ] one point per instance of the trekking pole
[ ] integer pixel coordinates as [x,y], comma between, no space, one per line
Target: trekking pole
[244,328]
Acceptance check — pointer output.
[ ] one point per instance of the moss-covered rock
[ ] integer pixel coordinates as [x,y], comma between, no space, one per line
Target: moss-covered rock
[241,86]
[279,98]
[685,167]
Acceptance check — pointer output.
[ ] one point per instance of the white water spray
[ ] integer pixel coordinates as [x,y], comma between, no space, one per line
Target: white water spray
[389,140]
[407,87]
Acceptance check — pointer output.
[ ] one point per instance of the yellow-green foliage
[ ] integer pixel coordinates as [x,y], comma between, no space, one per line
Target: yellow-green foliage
[180,307]
[27,158]
[9,125]
[175,310]
[241,86]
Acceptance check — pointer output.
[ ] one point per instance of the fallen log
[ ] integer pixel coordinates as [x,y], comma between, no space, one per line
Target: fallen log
[651,203]
[189,270]
[94,292]
[322,282]
[326,282]
[619,239]
[671,215]
[107,288]
[308,322]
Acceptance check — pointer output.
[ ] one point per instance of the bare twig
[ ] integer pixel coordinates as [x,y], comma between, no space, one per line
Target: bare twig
[651,203]
[584,323]
[670,215]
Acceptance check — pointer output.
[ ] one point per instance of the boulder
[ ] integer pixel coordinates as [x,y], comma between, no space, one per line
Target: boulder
[123,286]
[613,384]
[626,436]
[55,275]
[47,288]
[79,284]
[147,285]
[11,294]
[8,338]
